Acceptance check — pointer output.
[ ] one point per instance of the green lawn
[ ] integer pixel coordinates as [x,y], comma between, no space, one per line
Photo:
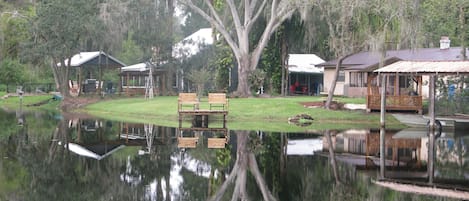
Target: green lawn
[267,114]
[14,102]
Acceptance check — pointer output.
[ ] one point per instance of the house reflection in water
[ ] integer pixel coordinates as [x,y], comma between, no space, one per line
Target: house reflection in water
[361,148]
[97,139]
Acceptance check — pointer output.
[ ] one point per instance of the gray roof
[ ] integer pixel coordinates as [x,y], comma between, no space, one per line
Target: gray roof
[369,61]
[96,58]
[427,67]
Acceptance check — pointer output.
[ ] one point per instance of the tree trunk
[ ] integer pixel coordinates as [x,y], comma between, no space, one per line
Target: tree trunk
[245,160]
[332,157]
[284,56]
[330,94]
[243,75]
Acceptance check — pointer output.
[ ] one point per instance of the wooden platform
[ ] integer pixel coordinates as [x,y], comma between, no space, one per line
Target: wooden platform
[191,141]
[221,130]
[203,113]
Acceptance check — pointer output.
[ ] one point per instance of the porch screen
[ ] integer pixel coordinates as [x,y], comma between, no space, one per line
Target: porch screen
[357,79]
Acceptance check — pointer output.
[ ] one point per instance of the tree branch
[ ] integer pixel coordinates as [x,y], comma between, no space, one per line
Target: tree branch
[216,23]
[276,20]
[236,19]
[259,178]
[247,11]
[227,182]
[251,22]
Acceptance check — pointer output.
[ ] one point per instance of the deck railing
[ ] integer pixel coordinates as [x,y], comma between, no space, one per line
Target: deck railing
[401,102]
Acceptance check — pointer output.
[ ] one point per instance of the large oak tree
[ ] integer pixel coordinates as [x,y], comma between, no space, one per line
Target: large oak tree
[61,29]
[242,16]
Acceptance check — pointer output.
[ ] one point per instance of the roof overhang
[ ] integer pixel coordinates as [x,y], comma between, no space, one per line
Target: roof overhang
[140,67]
[426,67]
[374,66]
[96,58]
[305,63]
[193,44]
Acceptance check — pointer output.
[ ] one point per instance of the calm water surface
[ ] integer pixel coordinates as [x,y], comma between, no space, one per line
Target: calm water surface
[52,157]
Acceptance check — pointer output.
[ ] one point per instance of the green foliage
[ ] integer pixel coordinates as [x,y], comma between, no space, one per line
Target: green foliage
[441,18]
[270,63]
[11,71]
[256,79]
[452,96]
[222,63]
[62,26]
[199,77]
[151,25]
[131,53]
[223,157]
[14,30]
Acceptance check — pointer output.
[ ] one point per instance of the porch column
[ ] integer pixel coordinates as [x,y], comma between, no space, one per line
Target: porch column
[431,130]
[382,133]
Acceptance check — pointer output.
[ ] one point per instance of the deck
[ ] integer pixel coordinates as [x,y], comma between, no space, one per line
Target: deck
[396,102]
[202,114]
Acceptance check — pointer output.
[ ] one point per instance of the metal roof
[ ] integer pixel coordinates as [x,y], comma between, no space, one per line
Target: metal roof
[365,60]
[92,59]
[426,67]
[304,63]
[193,44]
[136,67]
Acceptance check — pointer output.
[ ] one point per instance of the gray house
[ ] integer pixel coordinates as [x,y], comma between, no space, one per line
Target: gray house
[357,70]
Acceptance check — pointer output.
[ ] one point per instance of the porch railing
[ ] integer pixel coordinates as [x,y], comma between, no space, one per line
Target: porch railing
[402,103]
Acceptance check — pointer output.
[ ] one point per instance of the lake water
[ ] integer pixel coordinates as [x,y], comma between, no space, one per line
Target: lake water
[56,157]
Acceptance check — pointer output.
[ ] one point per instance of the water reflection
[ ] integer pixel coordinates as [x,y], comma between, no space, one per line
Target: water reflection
[129,161]
[413,159]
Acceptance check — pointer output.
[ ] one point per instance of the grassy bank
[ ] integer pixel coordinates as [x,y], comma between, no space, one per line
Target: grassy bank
[44,102]
[268,114]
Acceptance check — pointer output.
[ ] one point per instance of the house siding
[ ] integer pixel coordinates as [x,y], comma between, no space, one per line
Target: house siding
[328,77]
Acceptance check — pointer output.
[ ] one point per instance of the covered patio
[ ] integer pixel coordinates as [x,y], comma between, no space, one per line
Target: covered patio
[433,69]
[86,72]
[403,92]
[305,78]
[135,79]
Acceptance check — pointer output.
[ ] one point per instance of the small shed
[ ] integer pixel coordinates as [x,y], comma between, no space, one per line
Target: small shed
[304,76]
[86,72]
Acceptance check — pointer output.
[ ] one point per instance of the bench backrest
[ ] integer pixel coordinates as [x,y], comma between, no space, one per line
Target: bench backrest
[187,142]
[188,98]
[217,98]
[216,142]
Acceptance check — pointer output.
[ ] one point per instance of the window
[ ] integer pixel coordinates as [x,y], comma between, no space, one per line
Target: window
[405,81]
[341,77]
[357,79]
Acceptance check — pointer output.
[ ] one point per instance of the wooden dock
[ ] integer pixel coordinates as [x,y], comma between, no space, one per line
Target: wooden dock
[189,105]
[202,115]
[190,139]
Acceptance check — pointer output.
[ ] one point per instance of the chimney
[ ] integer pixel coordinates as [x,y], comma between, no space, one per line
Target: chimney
[444,43]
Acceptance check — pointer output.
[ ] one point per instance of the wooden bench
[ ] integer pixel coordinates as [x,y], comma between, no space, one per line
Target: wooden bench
[216,143]
[187,142]
[218,100]
[186,99]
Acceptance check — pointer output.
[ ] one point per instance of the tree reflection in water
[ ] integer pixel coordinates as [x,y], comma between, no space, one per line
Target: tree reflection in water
[36,167]
[245,161]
